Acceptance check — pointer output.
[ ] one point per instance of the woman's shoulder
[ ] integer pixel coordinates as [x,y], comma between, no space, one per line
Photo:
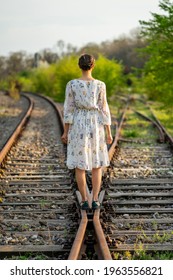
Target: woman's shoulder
[72,82]
[101,84]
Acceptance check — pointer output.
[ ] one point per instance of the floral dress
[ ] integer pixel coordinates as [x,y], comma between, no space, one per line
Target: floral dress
[87,111]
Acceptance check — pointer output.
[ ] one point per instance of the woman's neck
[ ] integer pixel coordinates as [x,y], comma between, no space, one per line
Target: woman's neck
[87,75]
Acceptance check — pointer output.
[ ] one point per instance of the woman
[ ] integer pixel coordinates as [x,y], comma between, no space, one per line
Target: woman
[86,113]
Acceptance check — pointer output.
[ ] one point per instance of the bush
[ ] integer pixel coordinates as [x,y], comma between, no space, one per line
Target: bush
[52,80]
[65,70]
[110,72]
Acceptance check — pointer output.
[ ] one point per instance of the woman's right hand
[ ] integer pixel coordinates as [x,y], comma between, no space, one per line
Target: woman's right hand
[109,139]
[64,138]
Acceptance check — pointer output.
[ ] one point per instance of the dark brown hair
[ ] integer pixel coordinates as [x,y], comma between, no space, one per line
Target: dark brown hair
[86,62]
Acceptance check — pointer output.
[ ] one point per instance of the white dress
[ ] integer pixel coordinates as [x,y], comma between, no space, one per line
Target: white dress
[87,111]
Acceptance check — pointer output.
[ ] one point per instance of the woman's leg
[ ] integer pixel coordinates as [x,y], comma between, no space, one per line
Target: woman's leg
[96,182]
[81,182]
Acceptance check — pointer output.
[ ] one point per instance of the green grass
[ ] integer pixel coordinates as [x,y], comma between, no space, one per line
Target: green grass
[142,255]
[131,133]
[28,256]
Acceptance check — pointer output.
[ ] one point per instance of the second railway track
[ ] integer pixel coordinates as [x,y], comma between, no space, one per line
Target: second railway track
[138,214]
[38,206]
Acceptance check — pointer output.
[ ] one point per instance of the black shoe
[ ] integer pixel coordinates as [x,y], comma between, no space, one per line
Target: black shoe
[84,205]
[95,204]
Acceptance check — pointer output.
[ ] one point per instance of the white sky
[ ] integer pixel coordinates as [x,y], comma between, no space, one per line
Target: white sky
[32,25]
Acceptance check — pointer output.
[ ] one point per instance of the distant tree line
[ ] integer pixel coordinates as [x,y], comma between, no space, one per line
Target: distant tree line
[123,50]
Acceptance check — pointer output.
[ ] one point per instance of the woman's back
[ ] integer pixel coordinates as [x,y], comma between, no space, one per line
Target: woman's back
[86,114]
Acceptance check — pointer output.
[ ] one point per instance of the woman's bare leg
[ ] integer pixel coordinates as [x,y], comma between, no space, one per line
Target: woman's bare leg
[81,182]
[96,182]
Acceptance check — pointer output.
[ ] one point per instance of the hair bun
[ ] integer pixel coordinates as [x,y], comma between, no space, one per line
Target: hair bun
[86,62]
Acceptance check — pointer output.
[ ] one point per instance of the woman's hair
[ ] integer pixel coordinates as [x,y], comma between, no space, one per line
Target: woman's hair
[86,62]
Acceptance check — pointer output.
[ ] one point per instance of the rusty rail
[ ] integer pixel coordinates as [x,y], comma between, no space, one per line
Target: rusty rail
[59,114]
[16,131]
[161,133]
[103,246]
[75,252]
[167,135]
[118,131]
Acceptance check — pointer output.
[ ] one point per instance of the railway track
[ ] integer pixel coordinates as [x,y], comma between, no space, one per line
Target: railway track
[39,211]
[38,205]
[138,209]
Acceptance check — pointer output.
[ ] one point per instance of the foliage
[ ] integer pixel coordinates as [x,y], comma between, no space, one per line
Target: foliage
[159,68]
[52,80]
[142,255]
[165,115]
[4,84]
[14,91]
[110,72]
[123,49]
[65,70]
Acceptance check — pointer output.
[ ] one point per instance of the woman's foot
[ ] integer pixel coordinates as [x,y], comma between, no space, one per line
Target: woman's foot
[84,205]
[95,204]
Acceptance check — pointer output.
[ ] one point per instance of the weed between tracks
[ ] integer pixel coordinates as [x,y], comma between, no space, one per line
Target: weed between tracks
[165,115]
[142,255]
[28,256]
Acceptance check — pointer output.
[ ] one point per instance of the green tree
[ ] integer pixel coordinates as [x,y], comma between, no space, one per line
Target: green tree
[52,80]
[109,71]
[158,70]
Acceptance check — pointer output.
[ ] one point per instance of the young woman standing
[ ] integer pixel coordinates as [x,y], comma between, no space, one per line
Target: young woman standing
[86,117]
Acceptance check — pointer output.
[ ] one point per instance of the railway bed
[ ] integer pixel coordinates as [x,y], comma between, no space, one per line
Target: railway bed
[39,212]
[138,208]
[38,209]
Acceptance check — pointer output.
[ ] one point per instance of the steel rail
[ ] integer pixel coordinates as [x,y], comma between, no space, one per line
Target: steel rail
[101,240]
[168,136]
[75,252]
[118,131]
[160,126]
[59,115]
[102,248]
[15,134]
[161,133]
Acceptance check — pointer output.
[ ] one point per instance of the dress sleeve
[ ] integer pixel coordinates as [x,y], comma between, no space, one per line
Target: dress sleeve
[69,104]
[103,105]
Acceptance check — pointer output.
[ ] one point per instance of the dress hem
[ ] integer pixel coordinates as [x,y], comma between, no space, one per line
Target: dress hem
[87,169]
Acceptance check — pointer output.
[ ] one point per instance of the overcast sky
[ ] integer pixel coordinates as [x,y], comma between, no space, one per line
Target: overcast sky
[33,25]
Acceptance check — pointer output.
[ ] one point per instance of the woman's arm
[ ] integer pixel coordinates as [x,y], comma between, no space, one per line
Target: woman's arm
[64,137]
[104,109]
[69,106]
[109,138]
